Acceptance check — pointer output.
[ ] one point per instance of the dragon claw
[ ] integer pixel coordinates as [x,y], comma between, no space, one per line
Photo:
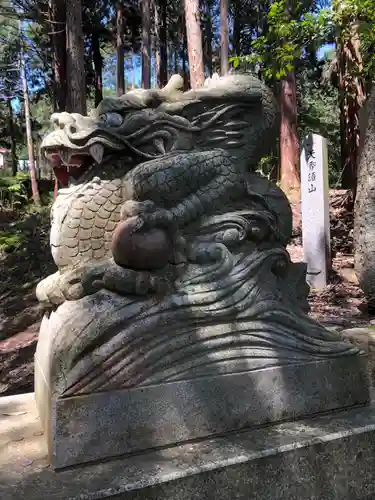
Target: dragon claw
[140,223]
[151,220]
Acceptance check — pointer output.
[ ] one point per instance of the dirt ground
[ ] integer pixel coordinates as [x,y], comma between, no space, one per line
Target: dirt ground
[340,305]
[21,268]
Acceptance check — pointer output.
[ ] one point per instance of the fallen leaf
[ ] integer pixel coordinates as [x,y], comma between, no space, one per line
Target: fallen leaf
[14,413]
[42,467]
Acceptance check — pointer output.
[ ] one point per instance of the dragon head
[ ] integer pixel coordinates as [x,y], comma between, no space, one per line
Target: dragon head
[237,113]
[73,146]
[129,125]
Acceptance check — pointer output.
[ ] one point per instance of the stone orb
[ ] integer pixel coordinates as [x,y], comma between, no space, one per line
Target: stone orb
[143,250]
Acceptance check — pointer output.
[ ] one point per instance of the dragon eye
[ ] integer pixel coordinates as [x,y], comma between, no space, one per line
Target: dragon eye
[111,119]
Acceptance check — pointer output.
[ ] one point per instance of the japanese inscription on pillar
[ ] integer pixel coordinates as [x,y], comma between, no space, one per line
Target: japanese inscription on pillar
[315,209]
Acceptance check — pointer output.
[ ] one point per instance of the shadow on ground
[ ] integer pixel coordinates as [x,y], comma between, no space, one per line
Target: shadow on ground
[22,266]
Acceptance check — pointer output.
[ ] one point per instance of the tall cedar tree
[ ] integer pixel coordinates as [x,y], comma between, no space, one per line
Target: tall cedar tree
[76,83]
[146,43]
[289,141]
[120,59]
[163,66]
[194,43]
[351,98]
[224,36]
[57,15]
[29,137]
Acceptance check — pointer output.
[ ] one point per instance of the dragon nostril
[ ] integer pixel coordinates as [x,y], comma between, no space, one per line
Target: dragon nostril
[73,129]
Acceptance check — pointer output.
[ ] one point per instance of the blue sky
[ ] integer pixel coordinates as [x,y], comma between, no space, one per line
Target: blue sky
[109,80]
[327,47]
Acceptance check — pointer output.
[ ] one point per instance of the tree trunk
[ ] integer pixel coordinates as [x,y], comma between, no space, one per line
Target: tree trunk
[364,208]
[146,44]
[237,27]
[29,137]
[184,59]
[76,78]
[352,96]
[289,143]
[98,68]
[156,45]
[120,59]
[58,43]
[53,176]
[176,68]
[13,143]
[224,37]
[55,188]
[132,72]
[163,68]
[208,50]
[194,42]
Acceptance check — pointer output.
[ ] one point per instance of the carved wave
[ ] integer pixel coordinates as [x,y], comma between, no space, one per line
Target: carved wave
[230,312]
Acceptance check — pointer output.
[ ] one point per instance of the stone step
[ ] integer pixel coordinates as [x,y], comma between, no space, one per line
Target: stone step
[328,457]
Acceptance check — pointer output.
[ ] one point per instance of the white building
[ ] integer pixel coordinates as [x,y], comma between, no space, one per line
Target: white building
[4,155]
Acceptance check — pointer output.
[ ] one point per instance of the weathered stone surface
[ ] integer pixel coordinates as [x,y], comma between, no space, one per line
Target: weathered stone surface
[324,458]
[364,339]
[89,427]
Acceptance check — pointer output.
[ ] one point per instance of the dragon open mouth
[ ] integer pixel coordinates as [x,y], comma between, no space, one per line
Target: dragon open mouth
[68,165]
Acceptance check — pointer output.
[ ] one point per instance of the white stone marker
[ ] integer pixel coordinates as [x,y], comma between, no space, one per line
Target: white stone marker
[315,210]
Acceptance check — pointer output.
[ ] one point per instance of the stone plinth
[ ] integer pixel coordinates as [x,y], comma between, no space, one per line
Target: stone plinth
[328,457]
[97,426]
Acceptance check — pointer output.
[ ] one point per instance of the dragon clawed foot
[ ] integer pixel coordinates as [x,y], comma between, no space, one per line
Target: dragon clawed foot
[132,208]
[71,284]
[130,282]
[49,292]
[158,219]
[148,215]
[89,278]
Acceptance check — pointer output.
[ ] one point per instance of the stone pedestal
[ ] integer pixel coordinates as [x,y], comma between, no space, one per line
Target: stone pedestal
[328,457]
[98,426]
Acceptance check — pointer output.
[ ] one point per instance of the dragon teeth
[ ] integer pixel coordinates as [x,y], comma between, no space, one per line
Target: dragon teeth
[159,146]
[65,157]
[97,152]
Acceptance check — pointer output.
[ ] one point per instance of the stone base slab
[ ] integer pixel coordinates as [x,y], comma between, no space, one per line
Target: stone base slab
[104,425]
[329,457]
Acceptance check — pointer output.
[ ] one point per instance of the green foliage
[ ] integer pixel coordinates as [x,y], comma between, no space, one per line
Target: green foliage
[9,52]
[268,166]
[318,112]
[11,241]
[28,234]
[357,16]
[13,193]
[287,37]
[292,33]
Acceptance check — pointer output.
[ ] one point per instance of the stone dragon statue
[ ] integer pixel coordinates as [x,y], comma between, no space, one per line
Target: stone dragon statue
[164,156]
[168,242]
